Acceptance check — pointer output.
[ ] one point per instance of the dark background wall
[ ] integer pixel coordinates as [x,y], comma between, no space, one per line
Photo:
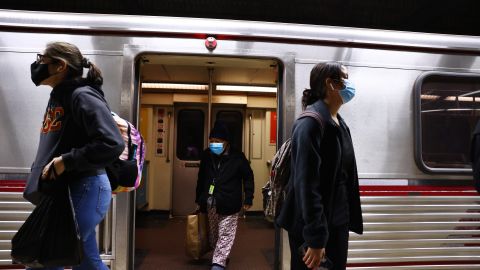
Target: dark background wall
[441,16]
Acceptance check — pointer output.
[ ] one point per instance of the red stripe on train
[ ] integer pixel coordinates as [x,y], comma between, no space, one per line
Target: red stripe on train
[417,191]
[12,186]
[413,263]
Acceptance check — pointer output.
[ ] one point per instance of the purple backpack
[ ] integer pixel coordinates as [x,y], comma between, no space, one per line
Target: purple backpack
[133,154]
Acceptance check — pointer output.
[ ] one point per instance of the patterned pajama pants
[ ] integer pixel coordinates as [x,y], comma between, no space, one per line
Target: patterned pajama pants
[222,234]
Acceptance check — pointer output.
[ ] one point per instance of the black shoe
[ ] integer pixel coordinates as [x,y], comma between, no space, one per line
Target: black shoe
[217,267]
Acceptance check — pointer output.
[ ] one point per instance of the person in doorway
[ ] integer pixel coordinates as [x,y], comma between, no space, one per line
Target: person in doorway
[79,137]
[323,201]
[225,185]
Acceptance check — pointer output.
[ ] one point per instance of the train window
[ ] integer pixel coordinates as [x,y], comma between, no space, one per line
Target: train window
[190,135]
[234,122]
[447,110]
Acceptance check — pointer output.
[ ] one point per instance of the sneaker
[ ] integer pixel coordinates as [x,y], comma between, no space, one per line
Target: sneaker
[217,267]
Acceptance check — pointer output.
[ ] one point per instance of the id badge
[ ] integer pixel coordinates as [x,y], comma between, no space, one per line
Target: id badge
[210,190]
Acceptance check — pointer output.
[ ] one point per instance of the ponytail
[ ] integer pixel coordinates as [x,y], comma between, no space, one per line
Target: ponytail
[94,75]
[309,97]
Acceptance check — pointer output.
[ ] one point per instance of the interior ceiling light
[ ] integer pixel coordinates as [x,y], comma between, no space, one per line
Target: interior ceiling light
[432,97]
[462,98]
[246,88]
[175,86]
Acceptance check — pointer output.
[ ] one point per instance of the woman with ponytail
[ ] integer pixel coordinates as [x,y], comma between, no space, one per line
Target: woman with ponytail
[323,200]
[78,139]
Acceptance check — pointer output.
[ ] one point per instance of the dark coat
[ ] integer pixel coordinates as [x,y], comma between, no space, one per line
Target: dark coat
[79,126]
[234,172]
[315,166]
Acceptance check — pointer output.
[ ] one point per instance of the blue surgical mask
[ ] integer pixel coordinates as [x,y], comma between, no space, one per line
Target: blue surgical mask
[216,148]
[347,92]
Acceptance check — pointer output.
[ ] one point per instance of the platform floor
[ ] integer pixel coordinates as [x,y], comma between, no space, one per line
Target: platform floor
[160,245]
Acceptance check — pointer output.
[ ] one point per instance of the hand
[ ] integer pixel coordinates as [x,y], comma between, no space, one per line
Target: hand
[246,206]
[313,257]
[49,172]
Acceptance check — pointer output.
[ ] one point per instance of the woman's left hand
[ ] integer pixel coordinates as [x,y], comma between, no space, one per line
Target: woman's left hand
[246,207]
[49,172]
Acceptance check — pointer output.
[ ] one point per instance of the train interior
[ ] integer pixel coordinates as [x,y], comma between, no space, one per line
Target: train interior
[181,96]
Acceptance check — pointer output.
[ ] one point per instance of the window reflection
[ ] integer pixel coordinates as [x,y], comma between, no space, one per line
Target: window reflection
[190,134]
[449,113]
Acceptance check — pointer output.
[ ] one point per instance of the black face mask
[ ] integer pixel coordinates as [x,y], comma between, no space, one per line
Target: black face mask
[39,72]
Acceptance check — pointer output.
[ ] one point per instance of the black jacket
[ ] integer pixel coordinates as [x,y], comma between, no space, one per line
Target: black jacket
[79,126]
[315,166]
[233,173]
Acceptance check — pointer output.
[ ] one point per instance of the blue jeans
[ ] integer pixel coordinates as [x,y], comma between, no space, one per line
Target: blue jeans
[91,198]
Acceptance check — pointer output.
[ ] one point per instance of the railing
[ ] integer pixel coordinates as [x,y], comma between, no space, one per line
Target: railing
[417,227]
[14,210]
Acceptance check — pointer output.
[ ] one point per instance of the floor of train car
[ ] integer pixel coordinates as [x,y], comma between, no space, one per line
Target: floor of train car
[160,244]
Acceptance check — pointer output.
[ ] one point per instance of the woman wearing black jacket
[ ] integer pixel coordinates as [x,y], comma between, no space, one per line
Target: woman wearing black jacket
[323,201]
[224,178]
[78,139]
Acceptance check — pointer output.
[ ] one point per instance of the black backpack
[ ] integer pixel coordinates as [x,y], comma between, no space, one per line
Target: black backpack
[274,191]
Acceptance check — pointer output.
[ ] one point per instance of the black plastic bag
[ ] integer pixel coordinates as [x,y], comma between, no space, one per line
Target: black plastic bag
[50,236]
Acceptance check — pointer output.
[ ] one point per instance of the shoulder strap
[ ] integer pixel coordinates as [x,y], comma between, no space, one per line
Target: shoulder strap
[318,117]
[129,146]
[141,149]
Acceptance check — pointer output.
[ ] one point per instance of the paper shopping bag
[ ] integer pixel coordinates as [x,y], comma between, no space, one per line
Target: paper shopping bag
[196,241]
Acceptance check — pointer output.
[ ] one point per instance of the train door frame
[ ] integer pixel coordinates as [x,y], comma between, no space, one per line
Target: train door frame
[130,106]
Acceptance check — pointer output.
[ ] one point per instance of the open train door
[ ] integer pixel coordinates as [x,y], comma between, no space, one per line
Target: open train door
[124,226]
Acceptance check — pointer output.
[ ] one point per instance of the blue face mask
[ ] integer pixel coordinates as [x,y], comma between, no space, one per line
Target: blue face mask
[216,148]
[347,92]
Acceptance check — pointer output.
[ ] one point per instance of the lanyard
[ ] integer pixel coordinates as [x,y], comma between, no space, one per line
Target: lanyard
[216,169]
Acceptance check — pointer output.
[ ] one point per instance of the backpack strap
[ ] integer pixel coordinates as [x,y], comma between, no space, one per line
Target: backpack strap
[141,149]
[318,117]
[129,146]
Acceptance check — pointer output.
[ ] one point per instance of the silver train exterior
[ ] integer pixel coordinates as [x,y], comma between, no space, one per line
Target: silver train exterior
[383,64]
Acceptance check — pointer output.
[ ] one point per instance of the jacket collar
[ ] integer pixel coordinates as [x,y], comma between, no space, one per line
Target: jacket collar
[321,107]
[67,87]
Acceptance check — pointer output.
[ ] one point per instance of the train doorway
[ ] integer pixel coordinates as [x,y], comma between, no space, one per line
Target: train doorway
[191,136]
[181,97]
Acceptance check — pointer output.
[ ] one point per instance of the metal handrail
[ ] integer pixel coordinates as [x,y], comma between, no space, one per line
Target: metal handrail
[250,138]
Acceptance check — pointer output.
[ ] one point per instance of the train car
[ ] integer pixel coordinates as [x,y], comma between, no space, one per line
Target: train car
[411,122]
